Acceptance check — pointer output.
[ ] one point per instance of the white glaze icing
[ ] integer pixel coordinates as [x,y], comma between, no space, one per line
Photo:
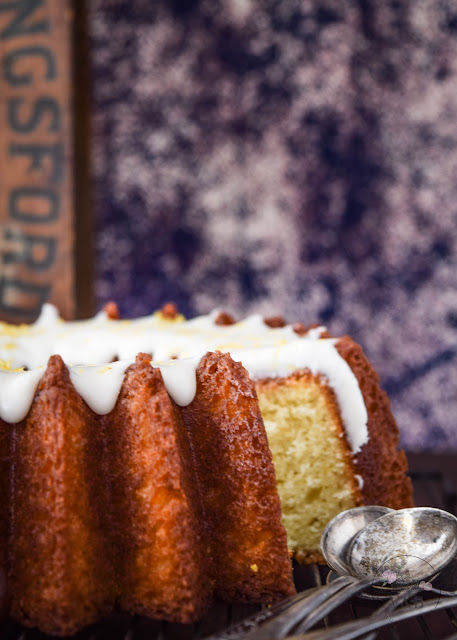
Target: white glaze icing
[99,385]
[180,379]
[16,393]
[87,346]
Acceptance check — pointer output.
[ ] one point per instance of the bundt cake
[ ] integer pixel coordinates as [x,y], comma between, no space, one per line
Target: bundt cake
[152,486]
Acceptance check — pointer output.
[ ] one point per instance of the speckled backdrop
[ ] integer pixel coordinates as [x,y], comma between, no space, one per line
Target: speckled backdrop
[292,156]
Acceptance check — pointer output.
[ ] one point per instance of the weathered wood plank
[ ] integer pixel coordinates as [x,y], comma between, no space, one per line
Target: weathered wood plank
[37,218]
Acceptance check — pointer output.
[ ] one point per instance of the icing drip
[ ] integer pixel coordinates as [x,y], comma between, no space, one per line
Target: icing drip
[17,389]
[179,377]
[87,346]
[99,386]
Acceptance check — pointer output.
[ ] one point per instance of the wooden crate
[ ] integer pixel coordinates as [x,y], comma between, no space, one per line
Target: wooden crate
[45,229]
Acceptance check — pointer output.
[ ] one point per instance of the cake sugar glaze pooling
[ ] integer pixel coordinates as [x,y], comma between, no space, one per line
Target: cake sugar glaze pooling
[98,351]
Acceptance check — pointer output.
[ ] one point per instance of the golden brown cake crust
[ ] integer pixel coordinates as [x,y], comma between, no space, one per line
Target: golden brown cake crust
[59,577]
[5,457]
[110,510]
[236,475]
[381,465]
[161,563]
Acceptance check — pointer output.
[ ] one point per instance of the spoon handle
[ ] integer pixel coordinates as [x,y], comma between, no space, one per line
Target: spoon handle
[392,604]
[358,628]
[333,602]
[279,626]
[280,618]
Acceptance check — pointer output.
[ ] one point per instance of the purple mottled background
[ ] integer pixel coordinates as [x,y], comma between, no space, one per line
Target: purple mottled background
[288,156]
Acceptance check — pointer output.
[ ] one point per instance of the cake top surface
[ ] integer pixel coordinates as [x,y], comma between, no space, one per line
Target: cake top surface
[101,339]
[99,350]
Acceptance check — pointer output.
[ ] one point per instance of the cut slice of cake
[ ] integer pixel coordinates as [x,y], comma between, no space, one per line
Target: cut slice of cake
[321,469]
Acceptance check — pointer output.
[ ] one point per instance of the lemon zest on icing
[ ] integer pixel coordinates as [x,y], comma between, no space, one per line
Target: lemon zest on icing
[107,368]
[9,345]
[5,365]
[178,318]
[14,329]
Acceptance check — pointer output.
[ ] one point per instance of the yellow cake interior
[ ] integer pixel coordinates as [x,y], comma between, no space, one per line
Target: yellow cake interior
[314,469]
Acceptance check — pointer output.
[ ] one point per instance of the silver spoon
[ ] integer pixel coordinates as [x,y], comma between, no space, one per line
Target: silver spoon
[404,546]
[425,528]
[340,531]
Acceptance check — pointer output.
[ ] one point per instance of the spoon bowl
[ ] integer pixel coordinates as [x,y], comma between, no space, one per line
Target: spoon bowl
[405,546]
[339,533]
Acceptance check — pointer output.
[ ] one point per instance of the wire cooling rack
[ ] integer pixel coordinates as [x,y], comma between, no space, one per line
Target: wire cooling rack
[428,616]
